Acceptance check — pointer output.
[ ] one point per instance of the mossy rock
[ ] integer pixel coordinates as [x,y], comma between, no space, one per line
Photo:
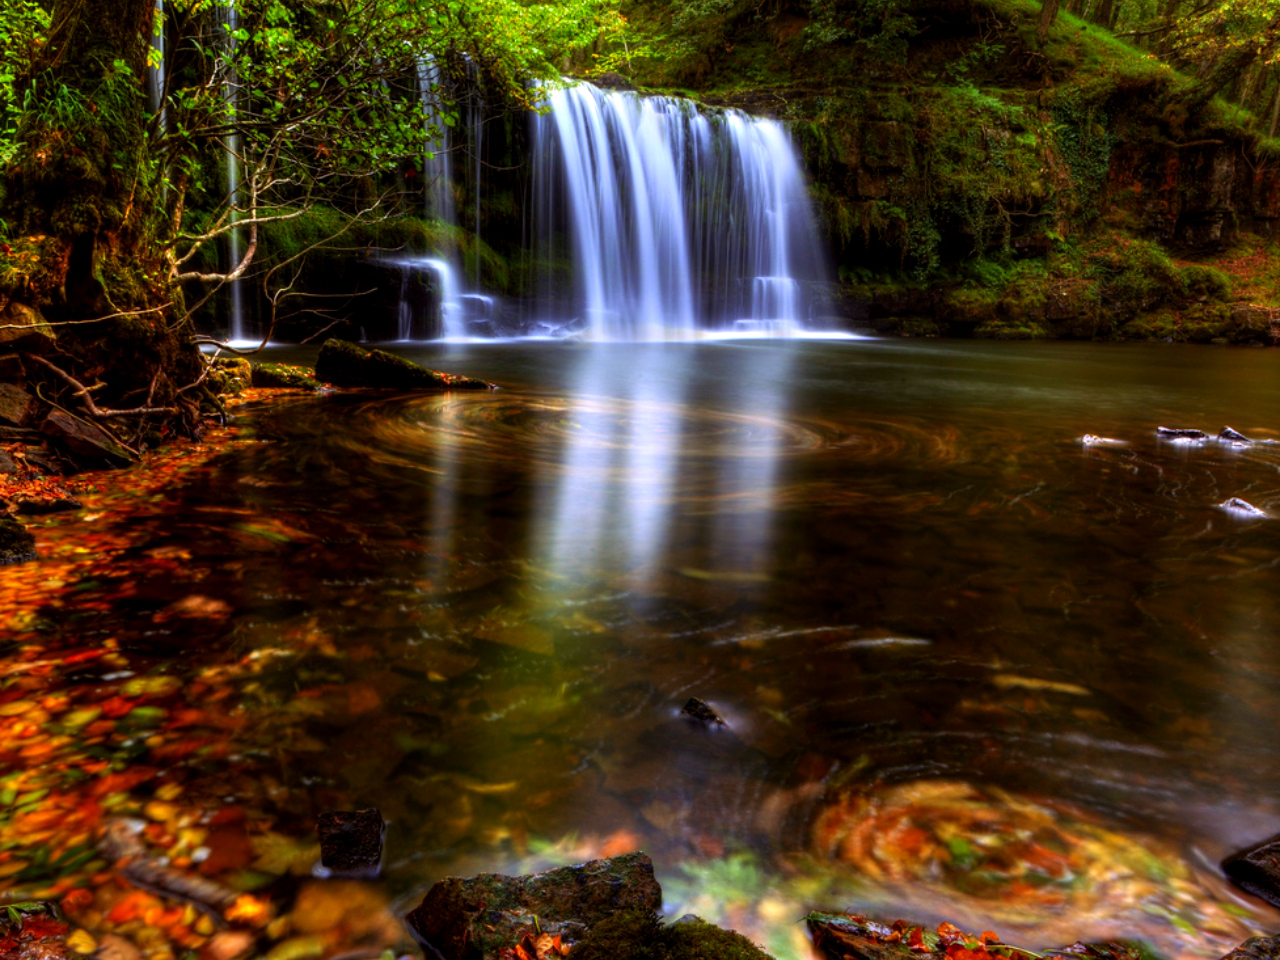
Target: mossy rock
[284,376]
[639,936]
[17,544]
[346,364]
[231,375]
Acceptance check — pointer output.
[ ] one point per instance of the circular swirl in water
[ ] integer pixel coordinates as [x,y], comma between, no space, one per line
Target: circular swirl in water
[542,429]
[1014,858]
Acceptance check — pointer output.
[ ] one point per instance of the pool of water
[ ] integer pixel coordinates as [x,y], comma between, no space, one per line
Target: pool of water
[972,668]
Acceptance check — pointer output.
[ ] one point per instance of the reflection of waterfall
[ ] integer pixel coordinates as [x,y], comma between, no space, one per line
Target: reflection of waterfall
[230,23]
[625,496]
[679,220]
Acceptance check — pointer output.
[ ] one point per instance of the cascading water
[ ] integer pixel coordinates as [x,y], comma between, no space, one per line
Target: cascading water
[410,327]
[156,67]
[229,20]
[679,220]
[436,173]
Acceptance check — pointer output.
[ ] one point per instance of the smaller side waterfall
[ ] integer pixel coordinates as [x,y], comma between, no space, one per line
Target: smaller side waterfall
[410,321]
[679,220]
[230,23]
[156,68]
[436,172]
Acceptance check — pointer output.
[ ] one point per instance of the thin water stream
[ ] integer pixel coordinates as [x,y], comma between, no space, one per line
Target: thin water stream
[971,668]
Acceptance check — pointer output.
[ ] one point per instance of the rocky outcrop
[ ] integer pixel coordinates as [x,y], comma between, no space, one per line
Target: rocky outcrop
[480,917]
[346,364]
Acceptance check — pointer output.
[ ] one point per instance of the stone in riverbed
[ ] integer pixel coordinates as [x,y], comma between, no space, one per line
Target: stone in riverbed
[1256,948]
[852,937]
[479,917]
[89,444]
[283,375]
[345,364]
[698,710]
[15,404]
[1181,433]
[17,544]
[1257,870]
[351,842]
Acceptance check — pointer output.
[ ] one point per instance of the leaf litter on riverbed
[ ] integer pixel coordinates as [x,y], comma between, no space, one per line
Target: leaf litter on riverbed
[92,734]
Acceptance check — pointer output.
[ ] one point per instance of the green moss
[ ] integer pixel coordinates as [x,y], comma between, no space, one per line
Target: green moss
[637,936]
[283,375]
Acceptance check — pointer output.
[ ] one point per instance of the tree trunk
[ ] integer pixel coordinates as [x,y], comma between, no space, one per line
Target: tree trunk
[1048,13]
[1101,12]
[85,272]
[1228,67]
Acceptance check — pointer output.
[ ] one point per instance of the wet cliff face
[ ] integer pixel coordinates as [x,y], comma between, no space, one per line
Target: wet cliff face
[1198,196]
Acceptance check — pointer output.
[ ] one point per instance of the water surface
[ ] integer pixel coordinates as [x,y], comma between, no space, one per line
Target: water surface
[972,668]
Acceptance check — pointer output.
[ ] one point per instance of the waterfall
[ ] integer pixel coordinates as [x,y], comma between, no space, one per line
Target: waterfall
[229,20]
[450,301]
[436,172]
[477,146]
[155,68]
[679,220]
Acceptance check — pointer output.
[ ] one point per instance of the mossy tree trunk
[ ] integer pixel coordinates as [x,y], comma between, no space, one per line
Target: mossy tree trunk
[82,281]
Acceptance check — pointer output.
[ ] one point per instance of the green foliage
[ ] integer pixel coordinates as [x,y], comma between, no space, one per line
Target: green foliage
[880,29]
[23,24]
[1085,144]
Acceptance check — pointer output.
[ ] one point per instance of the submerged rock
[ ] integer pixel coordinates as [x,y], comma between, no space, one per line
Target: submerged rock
[853,937]
[351,842]
[480,917]
[1181,433]
[17,544]
[698,710]
[1257,870]
[1241,507]
[346,364]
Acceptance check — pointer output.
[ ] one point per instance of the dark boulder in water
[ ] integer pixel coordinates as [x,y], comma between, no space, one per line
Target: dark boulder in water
[479,918]
[698,710]
[345,364]
[17,544]
[1180,433]
[351,842]
[1235,436]
[1257,870]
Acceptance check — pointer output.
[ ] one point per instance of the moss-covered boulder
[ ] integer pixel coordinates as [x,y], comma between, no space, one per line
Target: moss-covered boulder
[479,917]
[231,376]
[17,544]
[345,364]
[638,936]
[284,376]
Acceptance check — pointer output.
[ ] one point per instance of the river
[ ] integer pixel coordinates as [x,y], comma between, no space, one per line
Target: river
[971,667]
